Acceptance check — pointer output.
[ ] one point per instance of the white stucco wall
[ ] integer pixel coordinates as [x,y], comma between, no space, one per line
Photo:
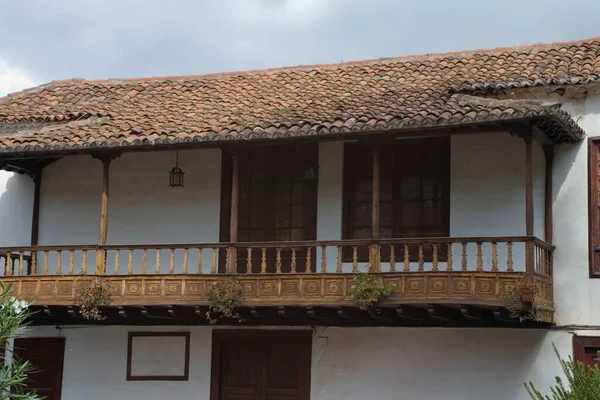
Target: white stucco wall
[577,297]
[16,207]
[347,364]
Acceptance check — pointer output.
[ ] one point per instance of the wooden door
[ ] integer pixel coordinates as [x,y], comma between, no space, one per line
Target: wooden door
[261,365]
[276,201]
[46,357]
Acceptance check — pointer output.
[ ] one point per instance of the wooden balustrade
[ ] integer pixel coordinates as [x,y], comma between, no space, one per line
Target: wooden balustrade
[479,254]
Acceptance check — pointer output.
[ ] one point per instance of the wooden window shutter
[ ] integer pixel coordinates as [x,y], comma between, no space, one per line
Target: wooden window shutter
[594,206]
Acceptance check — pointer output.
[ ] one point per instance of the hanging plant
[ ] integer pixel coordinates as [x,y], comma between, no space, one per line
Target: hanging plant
[525,303]
[367,290]
[90,295]
[224,295]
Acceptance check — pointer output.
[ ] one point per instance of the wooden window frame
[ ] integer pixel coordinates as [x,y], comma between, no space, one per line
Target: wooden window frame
[581,344]
[186,370]
[593,207]
[349,182]
[220,334]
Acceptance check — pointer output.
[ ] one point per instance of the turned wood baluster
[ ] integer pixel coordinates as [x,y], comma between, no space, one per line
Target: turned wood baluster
[464,256]
[278,260]
[59,262]
[293,264]
[249,260]
[263,261]
[185,261]
[20,263]
[354,259]
[33,262]
[308,263]
[130,263]
[449,265]
[84,262]
[45,262]
[406,259]
[8,263]
[172,261]
[494,257]
[199,267]
[213,266]
[435,258]
[479,257]
[323,259]
[157,264]
[71,262]
[117,258]
[392,258]
[144,260]
[338,267]
[421,259]
[509,259]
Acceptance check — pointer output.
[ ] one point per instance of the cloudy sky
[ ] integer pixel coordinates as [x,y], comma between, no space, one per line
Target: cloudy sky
[44,40]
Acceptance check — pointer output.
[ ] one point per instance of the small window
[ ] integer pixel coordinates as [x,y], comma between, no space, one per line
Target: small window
[594,207]
[585,350]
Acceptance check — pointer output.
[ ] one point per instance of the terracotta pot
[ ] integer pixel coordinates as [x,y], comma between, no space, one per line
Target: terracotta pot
[528,293]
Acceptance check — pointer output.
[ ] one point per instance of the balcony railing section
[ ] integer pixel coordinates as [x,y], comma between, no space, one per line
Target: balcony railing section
[406,255]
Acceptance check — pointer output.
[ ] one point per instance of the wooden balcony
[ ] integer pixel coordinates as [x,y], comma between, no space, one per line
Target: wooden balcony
[456,280]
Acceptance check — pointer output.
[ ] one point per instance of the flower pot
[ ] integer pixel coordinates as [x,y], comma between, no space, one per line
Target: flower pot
[528,292]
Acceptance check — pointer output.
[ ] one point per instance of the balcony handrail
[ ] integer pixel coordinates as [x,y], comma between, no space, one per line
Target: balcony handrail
[287,244]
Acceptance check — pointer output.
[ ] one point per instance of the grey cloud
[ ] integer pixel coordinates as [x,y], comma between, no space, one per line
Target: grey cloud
[62,39]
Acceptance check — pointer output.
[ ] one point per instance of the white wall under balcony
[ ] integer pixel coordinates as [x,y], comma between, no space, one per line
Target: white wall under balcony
[347,363]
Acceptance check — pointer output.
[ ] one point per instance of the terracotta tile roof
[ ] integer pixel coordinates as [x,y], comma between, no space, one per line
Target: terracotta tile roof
[399,93]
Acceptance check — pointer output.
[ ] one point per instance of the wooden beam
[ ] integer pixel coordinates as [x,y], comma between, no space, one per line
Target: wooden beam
[528,185]
[35,216]
[548,223]
[529,216]
[374,250]
[233,216]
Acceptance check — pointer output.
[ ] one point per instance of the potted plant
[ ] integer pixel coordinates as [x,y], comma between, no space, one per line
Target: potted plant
[224,295]
[90,295]
[525,303]
[367,289]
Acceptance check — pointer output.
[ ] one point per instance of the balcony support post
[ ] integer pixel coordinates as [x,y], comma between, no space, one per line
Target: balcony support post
[374,250]
[100,253]
[233,220]
[529,216]
[548,223]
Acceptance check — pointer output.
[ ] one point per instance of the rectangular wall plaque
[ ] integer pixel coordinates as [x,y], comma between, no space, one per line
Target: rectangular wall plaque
[158,356]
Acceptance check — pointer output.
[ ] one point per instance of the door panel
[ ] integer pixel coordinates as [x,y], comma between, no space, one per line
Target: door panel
[46,357]
[269,365]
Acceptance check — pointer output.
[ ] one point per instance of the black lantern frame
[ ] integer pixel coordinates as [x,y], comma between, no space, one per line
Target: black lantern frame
[176,174]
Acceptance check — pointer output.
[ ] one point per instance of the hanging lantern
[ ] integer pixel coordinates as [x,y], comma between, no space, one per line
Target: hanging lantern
[176,174]
[311,172]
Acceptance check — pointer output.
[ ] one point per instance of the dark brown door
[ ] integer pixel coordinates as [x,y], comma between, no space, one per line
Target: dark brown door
[46,357]
[265,365]
[277,201]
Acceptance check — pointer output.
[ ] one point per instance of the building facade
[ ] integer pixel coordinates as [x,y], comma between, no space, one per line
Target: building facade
[466,181]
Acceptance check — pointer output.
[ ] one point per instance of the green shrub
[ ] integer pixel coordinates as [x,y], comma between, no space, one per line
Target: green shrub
[580,383]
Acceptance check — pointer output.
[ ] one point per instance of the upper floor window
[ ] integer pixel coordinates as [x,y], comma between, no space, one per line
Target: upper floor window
[594,207]
[414,189]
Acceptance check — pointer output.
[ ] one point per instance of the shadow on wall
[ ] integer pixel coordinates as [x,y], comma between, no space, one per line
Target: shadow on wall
[16,207]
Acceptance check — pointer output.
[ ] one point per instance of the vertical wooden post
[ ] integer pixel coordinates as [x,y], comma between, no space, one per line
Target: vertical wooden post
[233,220]
[548,223]
[35,216]
[374,259]
[529,255]
[101,253]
